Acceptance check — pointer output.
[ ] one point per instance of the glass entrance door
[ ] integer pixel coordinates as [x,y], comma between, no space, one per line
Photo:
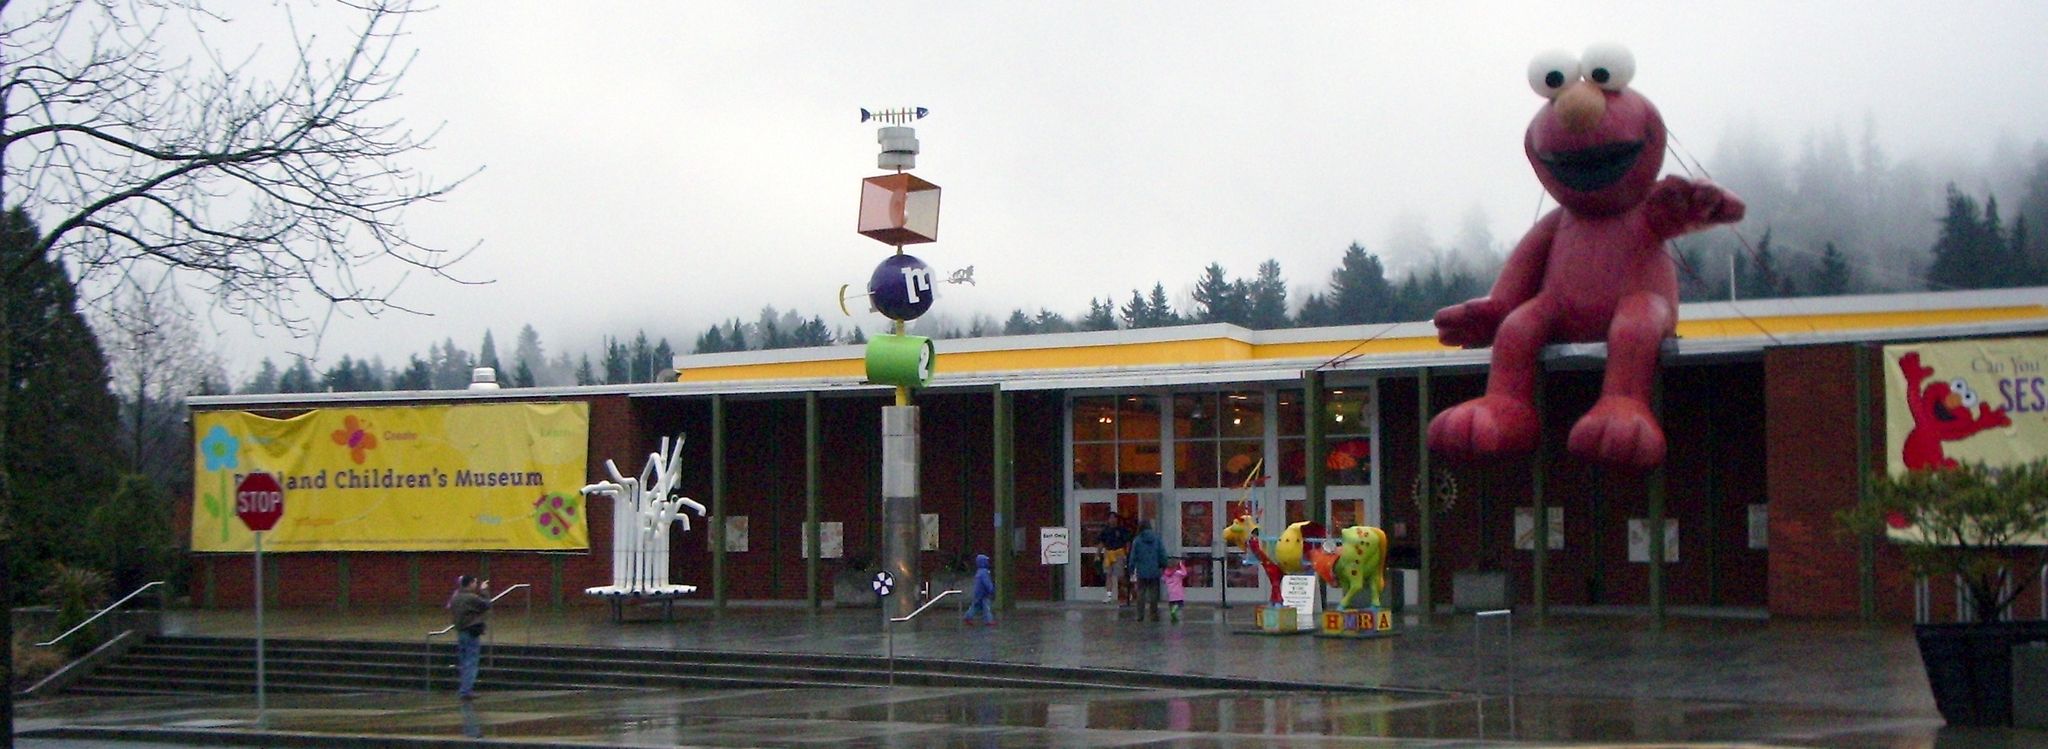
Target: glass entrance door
[1091,580]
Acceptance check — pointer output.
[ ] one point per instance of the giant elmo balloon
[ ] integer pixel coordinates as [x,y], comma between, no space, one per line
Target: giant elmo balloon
[1593,269]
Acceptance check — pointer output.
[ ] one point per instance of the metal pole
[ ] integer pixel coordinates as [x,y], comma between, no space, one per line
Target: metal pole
[1312,427]
[1425,506]
[261,718]
[811,499]
[1003,424]
[1656,521]
[1866,547]
[718,502]
[899,504]
[1538,471]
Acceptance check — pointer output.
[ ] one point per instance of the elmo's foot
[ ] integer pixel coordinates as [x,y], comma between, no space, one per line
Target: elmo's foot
[1619,431]
[1487,425]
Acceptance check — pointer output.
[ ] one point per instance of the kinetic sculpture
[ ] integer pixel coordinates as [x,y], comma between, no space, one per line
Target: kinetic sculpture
[1244,532]
[641,513]
[1593,269]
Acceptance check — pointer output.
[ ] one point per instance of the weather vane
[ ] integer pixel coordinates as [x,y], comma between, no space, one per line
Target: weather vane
[895,116]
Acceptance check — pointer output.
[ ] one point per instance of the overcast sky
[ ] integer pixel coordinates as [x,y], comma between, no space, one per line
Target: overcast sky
[666,165]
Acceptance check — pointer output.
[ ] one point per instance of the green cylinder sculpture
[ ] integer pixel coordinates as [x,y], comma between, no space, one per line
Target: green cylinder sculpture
[902,360]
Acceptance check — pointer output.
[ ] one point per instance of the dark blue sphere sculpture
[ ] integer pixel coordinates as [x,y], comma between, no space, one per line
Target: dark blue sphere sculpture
[901,287]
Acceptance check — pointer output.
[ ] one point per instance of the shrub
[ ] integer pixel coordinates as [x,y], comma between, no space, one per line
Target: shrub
[77,592]
[1985,526]
[32,663]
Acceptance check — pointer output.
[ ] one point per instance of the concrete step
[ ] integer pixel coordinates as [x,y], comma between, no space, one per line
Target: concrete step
[228,665]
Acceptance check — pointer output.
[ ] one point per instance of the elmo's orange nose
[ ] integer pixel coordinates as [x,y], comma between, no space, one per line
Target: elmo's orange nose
[1580,106]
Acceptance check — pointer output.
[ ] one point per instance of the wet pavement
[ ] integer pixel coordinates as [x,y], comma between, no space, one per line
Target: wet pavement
[1454,681]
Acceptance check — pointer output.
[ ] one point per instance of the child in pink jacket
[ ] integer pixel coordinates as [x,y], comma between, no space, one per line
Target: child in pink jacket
[1175,580]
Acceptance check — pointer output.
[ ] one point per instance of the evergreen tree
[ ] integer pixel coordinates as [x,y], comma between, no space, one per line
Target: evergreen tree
[1018,323]
[340,378]
[584,374]
[298,379]
[1101,314]
[418,375]
[1268,298]
[452,366]
[1137,313]
[522,376]
[665,358]
[812,333]
[1049,321]
[1217,299]
[265,379]
[526,350]
[1315,312]
[618,362]
[1157,310]
[1832,277]
[1757,276]
[859,338]
[64,417]
[640,359]
[711,342]
[487,356]
[1359,292]
[1964,255]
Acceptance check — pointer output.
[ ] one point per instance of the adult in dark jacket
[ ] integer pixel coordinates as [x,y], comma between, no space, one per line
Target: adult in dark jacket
[1148,560]
[467,607]
[1115,541]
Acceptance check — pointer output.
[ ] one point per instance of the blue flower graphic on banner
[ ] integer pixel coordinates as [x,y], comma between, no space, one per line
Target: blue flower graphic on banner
[223,453]
[221,448]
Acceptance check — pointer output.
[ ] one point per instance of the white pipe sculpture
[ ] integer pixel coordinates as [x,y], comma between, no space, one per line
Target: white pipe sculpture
[641,513]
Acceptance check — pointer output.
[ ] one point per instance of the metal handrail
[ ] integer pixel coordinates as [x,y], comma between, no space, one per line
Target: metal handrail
[427,643]
[96,617]
[927,604]
[889,629]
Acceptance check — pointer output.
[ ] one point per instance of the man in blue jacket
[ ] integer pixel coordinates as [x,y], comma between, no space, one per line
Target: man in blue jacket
[984,593]
[1148,559]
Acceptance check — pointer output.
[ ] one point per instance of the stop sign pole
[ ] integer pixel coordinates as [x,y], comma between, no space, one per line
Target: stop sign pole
[259,502]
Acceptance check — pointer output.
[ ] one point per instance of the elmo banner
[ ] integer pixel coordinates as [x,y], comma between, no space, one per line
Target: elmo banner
[1982,401]
[426,478]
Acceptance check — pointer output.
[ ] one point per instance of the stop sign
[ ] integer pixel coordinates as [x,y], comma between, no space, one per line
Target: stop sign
[259,501]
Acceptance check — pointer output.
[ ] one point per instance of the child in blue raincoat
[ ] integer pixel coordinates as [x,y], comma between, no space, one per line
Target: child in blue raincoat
[984,593]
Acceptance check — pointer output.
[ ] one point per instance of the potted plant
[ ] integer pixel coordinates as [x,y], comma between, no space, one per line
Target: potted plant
[1984,527]
[853,584]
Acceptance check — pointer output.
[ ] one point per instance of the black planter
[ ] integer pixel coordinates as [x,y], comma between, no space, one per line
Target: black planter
[1969,668]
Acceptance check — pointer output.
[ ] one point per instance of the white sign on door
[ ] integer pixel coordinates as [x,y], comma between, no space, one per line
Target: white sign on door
[1052,545]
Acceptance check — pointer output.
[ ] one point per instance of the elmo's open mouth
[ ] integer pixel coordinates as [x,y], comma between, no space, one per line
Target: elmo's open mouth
[1591,169]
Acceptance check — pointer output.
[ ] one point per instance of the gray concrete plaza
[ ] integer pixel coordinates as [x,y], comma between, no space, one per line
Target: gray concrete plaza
[1577,678]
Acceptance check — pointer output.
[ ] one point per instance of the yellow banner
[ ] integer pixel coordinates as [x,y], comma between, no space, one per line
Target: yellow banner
[424,478]
[1966,401]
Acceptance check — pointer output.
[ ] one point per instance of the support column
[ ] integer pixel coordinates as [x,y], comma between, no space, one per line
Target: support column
[341,582]
[1656,521]
[811,501]
[1539,471]
[1425,496]
[1312,426]
[899,507]
[1005,491]
[718,586]
[1866,545]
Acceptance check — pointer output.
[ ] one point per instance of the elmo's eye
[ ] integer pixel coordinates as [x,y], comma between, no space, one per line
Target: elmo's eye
[1609,66]
[1963,392]
[1551,71]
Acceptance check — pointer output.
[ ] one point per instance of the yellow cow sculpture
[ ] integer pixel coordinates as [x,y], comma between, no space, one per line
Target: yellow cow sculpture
[1362,561]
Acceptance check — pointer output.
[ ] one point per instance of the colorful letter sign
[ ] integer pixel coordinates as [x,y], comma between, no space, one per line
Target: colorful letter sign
[423,478]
